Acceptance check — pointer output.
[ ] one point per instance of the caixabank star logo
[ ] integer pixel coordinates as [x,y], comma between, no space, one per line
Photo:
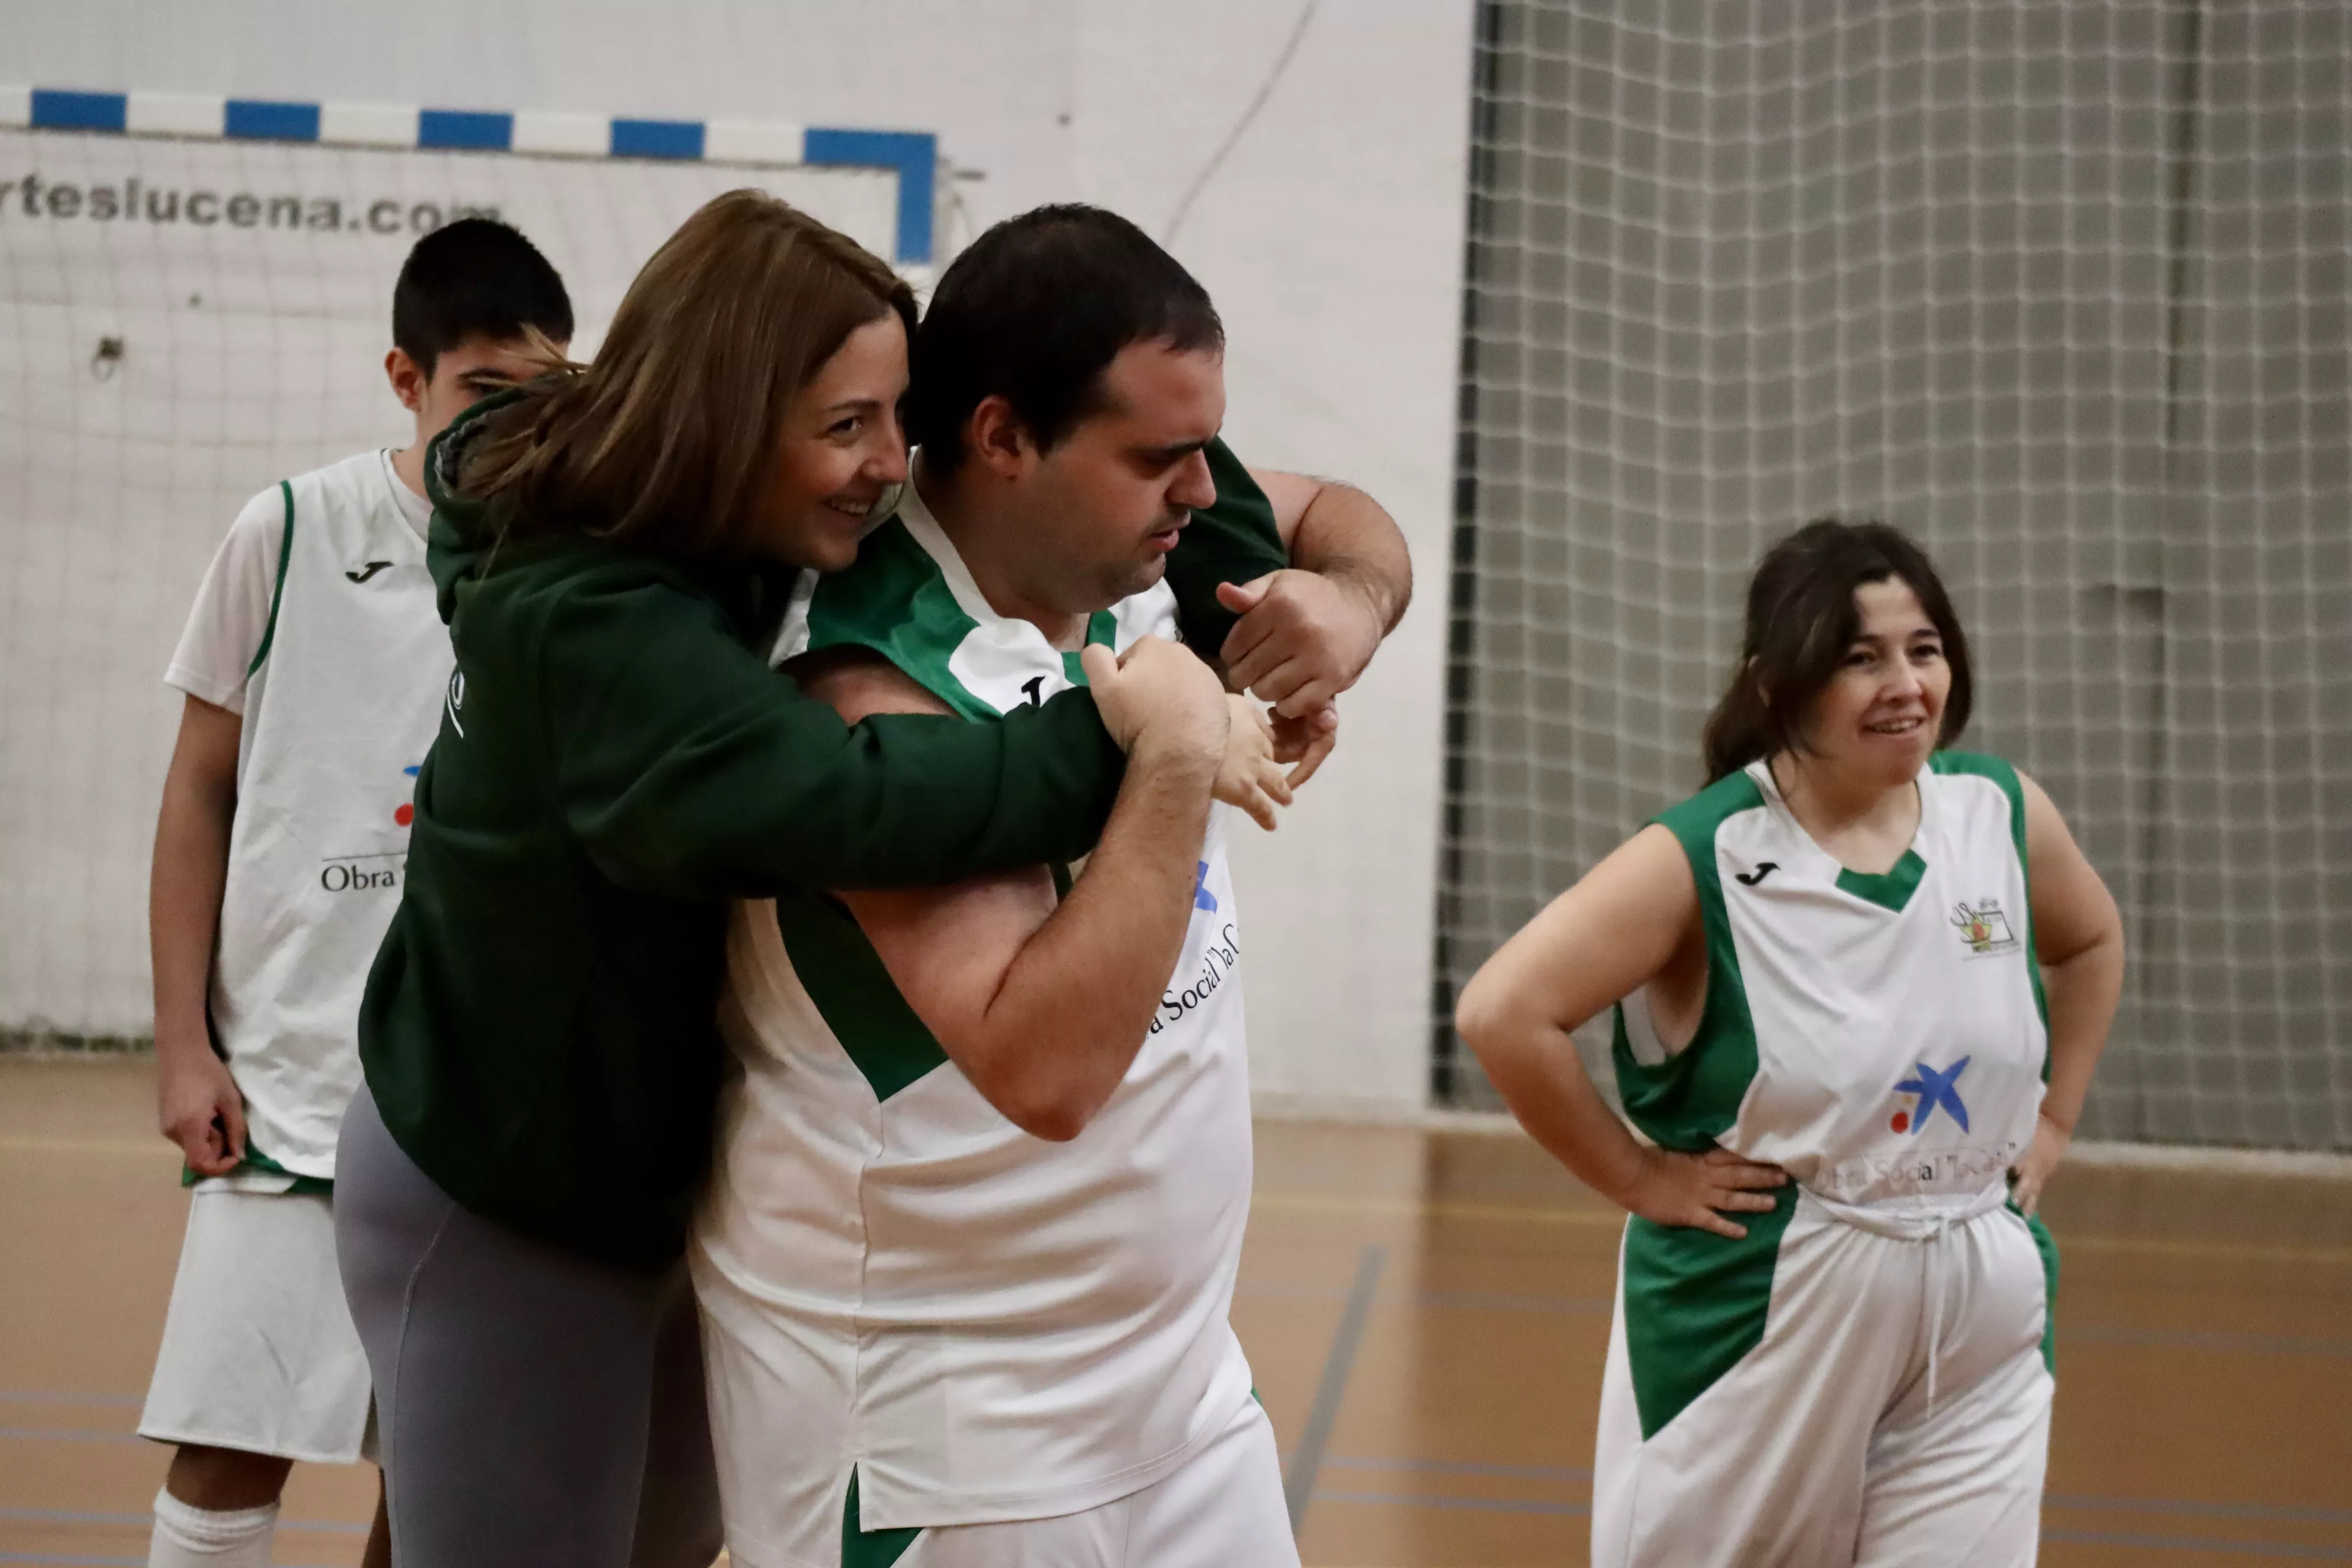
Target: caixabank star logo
[1928,1090]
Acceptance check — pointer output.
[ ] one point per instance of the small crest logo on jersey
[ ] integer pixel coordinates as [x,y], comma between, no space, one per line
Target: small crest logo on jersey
[1984,928]
[1930,1090]
[404,813]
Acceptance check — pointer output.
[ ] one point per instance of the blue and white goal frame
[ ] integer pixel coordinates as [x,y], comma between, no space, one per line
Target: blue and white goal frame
[913,155]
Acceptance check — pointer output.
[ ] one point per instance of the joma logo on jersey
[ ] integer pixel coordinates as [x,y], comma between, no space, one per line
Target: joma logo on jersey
[1932,1091]
[1984,928]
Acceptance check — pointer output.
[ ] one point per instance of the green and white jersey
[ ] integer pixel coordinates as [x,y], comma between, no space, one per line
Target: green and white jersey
[1886,1325]
[317,623]
[1883,1038]
[985,1325]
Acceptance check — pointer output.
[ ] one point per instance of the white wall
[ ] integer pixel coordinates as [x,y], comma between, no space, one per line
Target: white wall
[1331,238]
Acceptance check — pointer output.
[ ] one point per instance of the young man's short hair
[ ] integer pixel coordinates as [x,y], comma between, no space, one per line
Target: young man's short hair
[1033,313]
[475,278]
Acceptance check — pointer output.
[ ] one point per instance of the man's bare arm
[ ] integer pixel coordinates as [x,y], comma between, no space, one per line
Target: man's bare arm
[197,1103]
[1042,1007]
[1307,634]
[1340,532]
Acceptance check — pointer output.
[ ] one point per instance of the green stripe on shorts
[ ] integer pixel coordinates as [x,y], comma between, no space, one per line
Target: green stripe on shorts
[869,1547]
[1694,1305]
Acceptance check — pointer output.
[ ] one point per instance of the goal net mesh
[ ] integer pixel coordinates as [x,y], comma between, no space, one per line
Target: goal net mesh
[2059,288]
[184,321]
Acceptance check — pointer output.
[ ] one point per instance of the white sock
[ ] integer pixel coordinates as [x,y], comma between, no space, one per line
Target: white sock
[187,1536]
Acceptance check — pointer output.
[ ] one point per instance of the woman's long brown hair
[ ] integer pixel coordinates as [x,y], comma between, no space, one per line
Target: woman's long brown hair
[667,440]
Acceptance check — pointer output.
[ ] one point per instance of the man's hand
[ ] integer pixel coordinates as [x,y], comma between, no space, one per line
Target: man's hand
[196,1102]
[1157,693]
[1303,638]
[1252,776]
[198,1108]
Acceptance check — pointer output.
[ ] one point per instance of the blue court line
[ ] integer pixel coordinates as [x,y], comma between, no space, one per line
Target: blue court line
[1459,1468]
[1601,1306]
[1479,1301]
[1461,1504]
[67,1435]
[2070,1536]
[74,1516]
[2290,1513]
[1577,1306]
[2257,1511]
[1298,1483]
[2188,1340]
[2199,1543]
[2296,1513]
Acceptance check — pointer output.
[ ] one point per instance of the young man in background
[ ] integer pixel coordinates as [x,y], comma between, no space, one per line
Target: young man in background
[314,666]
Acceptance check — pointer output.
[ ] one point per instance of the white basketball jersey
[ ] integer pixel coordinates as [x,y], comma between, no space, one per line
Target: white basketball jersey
[342,701]
[1883,1038]
[986,1325]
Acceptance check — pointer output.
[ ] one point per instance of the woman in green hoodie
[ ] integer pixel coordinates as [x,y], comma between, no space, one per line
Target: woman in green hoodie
[613,546]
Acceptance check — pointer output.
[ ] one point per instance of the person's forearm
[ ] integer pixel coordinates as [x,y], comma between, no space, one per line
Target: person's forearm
[183,900]
[1346,536]
[1077,1001]
[1535,1068]
[2083,993]
[685,766]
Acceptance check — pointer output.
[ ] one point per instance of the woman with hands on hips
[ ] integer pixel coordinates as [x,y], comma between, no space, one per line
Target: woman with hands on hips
[1864,981]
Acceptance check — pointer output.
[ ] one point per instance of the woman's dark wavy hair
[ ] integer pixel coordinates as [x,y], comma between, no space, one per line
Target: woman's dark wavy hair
[1802,619]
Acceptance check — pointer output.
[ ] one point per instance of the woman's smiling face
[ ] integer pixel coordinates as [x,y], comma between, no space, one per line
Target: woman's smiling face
[1879,717]
[841,450]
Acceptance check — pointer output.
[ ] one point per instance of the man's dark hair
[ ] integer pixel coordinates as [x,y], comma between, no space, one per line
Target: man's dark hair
[1802,619]
[1033,313]
[475,278]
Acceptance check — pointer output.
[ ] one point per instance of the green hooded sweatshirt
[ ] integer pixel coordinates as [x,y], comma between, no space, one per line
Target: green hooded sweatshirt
[616,761]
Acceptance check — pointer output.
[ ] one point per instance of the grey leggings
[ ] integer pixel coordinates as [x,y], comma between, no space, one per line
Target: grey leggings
[533,1406]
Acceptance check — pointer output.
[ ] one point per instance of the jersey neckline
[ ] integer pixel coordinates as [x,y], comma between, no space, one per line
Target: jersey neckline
[406,501]
[1890,890]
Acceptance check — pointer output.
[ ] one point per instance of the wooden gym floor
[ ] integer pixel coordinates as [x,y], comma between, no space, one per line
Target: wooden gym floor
[1425,1313]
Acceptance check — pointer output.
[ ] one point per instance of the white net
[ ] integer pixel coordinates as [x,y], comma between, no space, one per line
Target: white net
[183,322]
[2062,288]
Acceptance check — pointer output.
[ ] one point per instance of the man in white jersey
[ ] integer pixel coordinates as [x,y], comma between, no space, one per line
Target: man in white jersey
[967,1260]
[313,665]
